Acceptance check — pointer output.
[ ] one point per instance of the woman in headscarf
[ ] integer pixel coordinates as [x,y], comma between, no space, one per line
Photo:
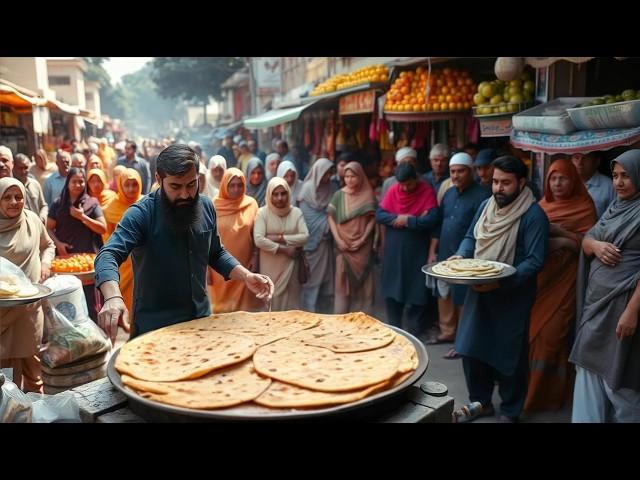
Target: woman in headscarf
[606,351]
[129,192]
[76,224]
[42,167]
[117,170]
[272,162]
[256,183]
[94,162]
[313,199]
[409,211]
[236,213]
[217,167]
[571,213]
[352,221]
[279,233]
[288,171]
[97,187]
[25,243]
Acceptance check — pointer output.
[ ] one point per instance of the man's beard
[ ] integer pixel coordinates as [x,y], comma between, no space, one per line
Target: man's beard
[505,200]
[180,217]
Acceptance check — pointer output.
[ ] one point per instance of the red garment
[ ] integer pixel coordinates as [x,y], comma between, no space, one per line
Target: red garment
[416,203]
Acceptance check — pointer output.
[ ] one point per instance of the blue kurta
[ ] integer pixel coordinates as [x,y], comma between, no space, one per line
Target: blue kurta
[169,269]
[494,326]
[430,178]
[458,210]
[405,252]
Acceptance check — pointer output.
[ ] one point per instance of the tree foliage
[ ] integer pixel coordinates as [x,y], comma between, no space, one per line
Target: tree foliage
[193,78]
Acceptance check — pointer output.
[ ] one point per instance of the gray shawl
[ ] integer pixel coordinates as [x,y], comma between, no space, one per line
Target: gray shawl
[600,301]
[256,191]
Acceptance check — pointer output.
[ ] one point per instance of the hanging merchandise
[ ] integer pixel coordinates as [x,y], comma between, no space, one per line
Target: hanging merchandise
[383,133]
[341,140]
[420,136]
[318,129]
[330,140]
[473,129]
[374,126]
[361,135]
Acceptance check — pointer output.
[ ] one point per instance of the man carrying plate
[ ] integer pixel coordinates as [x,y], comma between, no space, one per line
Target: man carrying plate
[492,337]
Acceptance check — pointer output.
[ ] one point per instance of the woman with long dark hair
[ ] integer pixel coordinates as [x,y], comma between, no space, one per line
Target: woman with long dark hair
[76,225]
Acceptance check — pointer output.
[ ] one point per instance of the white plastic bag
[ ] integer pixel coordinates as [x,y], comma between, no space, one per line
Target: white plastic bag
[13,280]
[69,333]
[18,407]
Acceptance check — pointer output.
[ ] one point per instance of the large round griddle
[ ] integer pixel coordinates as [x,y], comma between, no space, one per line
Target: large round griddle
[363,409]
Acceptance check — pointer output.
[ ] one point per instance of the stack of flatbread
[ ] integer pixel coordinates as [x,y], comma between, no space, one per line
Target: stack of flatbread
[468,267]
[277,360]
[11,287]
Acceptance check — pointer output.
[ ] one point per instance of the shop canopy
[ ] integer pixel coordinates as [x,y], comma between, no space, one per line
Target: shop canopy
[583,141]
[276,117]
[13,98]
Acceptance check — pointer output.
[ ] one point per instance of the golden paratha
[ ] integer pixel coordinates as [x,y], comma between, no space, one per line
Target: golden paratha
[169,356]
[222,388]
[351,332]
[467,267]
[321,369]
[283,395]
[263,327]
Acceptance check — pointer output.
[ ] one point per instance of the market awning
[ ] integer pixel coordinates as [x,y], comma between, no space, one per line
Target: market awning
[541,62]
[583,141]
[276,117]
[13,98]
[58,105]
[345,91]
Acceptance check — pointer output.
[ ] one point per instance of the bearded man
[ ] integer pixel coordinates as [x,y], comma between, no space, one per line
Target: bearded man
[172,237]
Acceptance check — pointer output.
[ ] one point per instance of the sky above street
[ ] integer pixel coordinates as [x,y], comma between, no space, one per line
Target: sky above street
[117,67]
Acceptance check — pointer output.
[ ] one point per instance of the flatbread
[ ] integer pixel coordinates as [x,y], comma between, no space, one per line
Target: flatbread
[320,369]
[404,351]
[263,327]
[467,267]
[27,291]
[283,395]
[169,356]
[351,332]
[222,388]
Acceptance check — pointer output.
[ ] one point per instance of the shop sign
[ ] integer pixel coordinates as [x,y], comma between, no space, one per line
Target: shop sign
[361,102]
[495,127]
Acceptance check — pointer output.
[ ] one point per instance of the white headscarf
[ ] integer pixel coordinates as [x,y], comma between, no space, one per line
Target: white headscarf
[213,186]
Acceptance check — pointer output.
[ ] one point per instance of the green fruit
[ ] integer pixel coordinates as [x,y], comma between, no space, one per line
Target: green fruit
[529,86]
[503,109]
[618,98]
[611,100]
[525,76]
[607,97]
[598,101]
[516,83]
[478,99]
[488,91]
[516,98]
[481,86]
[628,94]
[495,100]
[638,95]
[512,107]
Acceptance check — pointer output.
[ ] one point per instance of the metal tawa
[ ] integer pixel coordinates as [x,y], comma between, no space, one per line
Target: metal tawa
[435,389]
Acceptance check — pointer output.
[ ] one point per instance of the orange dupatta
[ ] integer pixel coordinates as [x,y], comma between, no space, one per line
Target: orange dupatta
[235,219]
[113,214]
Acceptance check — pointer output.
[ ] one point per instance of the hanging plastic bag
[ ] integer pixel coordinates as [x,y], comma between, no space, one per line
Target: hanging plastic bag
[13,281]
[69,333]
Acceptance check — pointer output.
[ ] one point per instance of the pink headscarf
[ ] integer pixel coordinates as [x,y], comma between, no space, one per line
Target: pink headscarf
[416,203]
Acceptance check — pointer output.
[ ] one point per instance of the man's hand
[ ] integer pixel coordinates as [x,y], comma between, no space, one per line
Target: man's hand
[261,285]
[607,253]
[455,257]
[45,272]
[627,324]
[487,287]
[113,313]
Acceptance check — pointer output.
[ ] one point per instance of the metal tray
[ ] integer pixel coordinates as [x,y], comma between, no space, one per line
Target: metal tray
[506,273]
[43,292]
[251,412]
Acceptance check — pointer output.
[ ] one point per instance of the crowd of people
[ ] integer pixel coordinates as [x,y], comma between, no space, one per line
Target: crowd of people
[562,327]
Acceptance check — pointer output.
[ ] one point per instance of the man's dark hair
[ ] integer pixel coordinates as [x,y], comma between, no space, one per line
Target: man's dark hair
[176,160]
[406,171]
[283,143]
[511,164]
[470,146]
[346,156]
[132,144]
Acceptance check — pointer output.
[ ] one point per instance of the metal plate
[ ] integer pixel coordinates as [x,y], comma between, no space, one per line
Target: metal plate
[507,271]
[43,292]
[254,412]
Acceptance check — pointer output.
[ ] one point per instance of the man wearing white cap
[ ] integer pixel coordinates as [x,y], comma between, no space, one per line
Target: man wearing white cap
[403,155]
[458,206]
